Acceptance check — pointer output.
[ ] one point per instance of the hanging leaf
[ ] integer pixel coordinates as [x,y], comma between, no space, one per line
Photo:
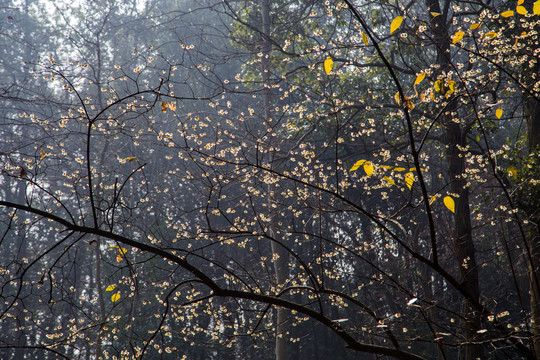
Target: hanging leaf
[477,137]
[365,37]
[536,8]
[398,99]
[357,165]
[498,113]
[419,78]
[491,35]
[477,25]
[435,14]
[368,168]
[457,37]
[521,10]
[115,297]
[432,199]
[164,107]
[118,258]
[110,288]
[449,203]
[328,65]
[512,172]
[42,153]
[437,85]
[451,88]
[409,179]
[389,180]
[520,2]
[508,13]
[130,158]
[399,169]
[396,23]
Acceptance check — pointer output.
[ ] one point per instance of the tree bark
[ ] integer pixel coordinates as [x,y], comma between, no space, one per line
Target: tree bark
[280,256]
[462,238]
[532,211]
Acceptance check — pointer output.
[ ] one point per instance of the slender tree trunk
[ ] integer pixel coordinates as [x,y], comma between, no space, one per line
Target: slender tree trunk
[101,302]
[280,256]
[463,242]
[532,114]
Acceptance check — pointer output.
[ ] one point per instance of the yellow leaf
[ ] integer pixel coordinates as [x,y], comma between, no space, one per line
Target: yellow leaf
[498,113]
[164,106]
[119,258]
[396,23]
[389,180]
[357,165]
[536,8]
[477,25]
[397,97]
[172,106]
[365,38]
[110,288]
[508,13]
[512,172]
[452,85]
[419,78]
[437,85]
[410,104]
[122,250]
[42,153]
[449,203]
[491,34]
[409,179]
[115,297]
[328,65]
[434,14]
[520,2]
[399,169]
[457,37]
[368,168]
[130,158]
[521,10]
[432,199]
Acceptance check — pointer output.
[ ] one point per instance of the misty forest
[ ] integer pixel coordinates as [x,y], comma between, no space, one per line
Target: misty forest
[269,179]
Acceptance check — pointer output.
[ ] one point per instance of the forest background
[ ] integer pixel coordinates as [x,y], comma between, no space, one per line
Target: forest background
[269,179]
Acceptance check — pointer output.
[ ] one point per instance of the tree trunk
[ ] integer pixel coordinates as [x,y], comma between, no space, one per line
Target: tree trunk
[463,242]
[532,211]
[280,256]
